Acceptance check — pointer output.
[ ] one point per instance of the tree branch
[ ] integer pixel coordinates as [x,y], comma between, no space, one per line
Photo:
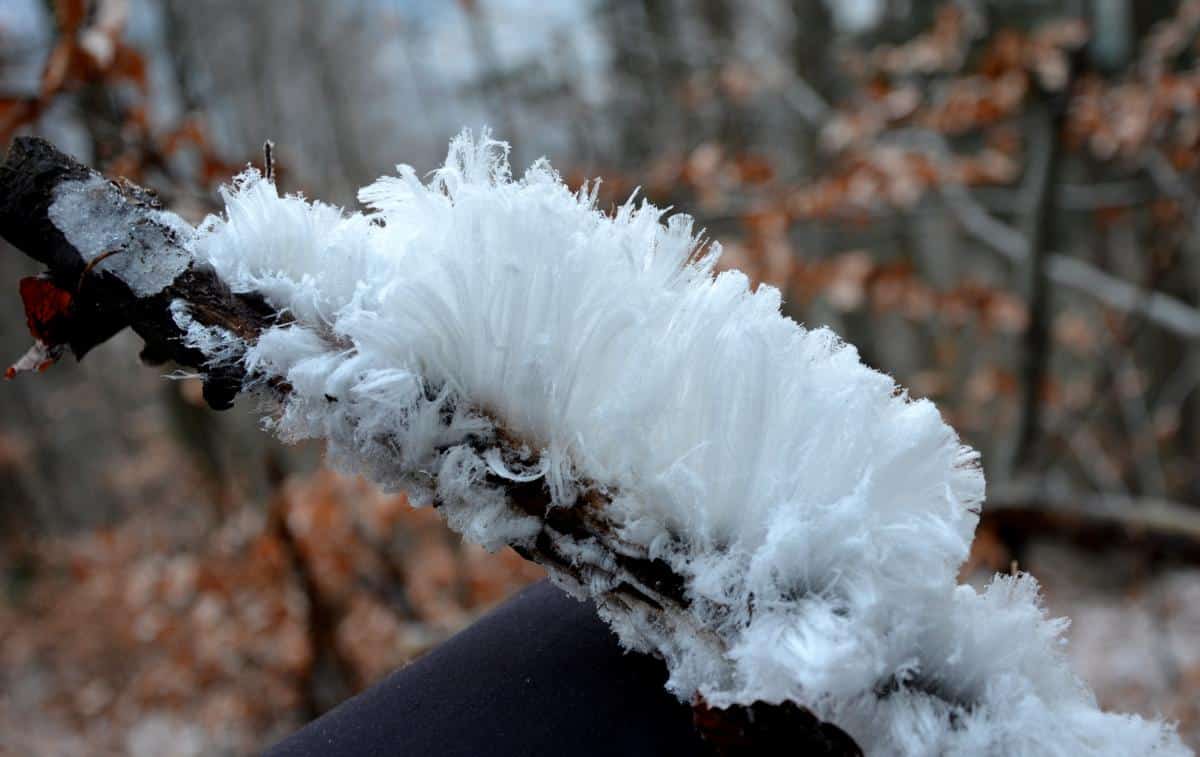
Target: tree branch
[1160,528]
[62,214]
[121,262]
[1044,165]
[1163,310]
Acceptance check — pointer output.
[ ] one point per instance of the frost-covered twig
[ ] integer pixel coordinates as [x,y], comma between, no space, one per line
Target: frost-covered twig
[114,259]
[740,496]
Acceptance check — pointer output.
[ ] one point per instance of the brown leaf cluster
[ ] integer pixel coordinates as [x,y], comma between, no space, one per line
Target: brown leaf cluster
[142,624]
[90,51]
[853,281]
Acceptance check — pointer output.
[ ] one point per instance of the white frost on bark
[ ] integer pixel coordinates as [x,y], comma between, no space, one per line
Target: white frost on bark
[219,345]
[146,247]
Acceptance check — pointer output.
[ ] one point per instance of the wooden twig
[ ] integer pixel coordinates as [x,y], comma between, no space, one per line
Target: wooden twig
[329,676]
[1044,168]
[1159,528]
[805,100]
[1163,310]
[269,160]
[1172,184]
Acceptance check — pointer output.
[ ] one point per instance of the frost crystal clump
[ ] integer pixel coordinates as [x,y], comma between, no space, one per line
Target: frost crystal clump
[478,335]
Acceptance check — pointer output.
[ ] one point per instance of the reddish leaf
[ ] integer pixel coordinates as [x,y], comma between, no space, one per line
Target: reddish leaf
[59,65]
[128,64]
[70,15]
[14,113]
[47,309]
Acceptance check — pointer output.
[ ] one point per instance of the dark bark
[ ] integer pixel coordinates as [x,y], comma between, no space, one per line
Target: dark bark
[98,303]
[763,729]
[1049,113]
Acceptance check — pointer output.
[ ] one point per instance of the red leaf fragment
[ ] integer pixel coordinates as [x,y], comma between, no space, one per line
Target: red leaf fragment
[48,309]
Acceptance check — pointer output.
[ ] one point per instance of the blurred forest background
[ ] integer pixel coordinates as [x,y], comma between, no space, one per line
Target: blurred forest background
[997,201]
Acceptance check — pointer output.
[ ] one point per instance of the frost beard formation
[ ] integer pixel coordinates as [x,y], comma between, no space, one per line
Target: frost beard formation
[474,336]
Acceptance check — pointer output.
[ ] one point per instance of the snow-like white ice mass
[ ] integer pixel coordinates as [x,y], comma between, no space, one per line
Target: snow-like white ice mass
[110,232]
[817,515]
